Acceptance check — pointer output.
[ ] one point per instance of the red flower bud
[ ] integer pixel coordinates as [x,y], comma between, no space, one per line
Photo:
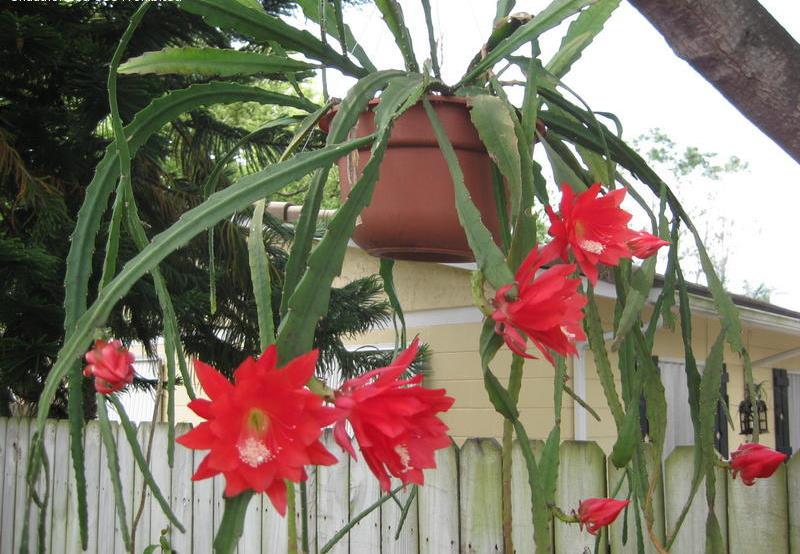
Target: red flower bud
[595,513]
[111,365]
[755,461]
[644,245]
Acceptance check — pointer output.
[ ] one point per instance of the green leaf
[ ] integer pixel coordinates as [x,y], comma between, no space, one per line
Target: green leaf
[188,60]
[232,524]
[580,34]
[259,275]
[220,205]
[641,285]
[426,7]
[488,255]
[653,389]
[495,128]
[310,300]
[346,117]
[138,456]
[540,511]
[160,112]
[565,167]
[76,425]
[113,469]
[311,10]
[709,400]
[504,8]
[628,437]
[594,332]
[393,16]
[386,273]
[550,17]
[262,27]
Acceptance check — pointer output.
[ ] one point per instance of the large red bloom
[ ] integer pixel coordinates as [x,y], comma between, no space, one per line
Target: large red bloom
[261,429]
[594,228]
[394,421]
[595,513]
[548,307]
[755,461]
[111,365]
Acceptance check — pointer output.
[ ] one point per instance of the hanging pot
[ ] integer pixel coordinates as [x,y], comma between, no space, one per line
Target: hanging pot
[412,215]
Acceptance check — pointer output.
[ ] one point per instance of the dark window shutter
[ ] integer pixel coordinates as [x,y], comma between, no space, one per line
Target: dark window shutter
[780,392]
[721,436]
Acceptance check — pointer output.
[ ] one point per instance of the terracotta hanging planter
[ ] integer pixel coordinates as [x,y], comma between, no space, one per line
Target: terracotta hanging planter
[412,215]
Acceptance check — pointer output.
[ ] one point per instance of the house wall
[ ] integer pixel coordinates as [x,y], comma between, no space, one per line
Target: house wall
[440,294]
[427,291]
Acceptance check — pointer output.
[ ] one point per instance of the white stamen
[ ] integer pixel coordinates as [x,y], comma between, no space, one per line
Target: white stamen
[570,336]
[253,452]
[405,457]
[592,246]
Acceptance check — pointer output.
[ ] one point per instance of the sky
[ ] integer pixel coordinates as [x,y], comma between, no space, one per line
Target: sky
[630,70]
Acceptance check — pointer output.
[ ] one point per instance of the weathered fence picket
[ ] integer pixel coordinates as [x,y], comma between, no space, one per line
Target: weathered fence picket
[679,467]
[581,475]
[333,490]
[522,530]
[757,515]
[625,528]
[364,491]
[457,511]
[793,486]
[438,506]
[481,502]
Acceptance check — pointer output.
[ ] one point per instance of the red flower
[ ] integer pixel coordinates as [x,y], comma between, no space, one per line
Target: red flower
[755,461]
[394,420]
[594,228]
[548,308]
[111,364]
[261,429]
[643,244]
[595,513]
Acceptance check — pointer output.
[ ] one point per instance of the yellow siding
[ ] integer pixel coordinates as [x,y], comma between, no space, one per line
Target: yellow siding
[455,363]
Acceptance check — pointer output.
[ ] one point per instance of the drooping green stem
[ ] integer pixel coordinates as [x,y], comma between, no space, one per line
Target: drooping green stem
[291,521]
[354,521]
[514,385]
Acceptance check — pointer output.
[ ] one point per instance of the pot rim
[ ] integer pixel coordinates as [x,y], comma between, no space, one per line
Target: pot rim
[325,121]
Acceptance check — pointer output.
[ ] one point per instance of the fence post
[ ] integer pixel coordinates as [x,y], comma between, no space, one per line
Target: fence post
[679,468]
[333,492]
[181,500]
[615,532]
[521,518]
[60,493]
[364,491]
[793,482]
[438,505]
[581,475]
[758,519]
[481,500]
[408,541]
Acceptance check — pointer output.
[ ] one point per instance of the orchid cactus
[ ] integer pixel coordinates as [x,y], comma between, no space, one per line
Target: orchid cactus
[264,428]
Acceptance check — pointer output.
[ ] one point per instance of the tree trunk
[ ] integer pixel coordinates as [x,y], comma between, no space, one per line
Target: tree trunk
[738,47]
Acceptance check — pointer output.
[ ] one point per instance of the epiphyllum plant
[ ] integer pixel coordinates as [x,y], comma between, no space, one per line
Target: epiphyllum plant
[589,230]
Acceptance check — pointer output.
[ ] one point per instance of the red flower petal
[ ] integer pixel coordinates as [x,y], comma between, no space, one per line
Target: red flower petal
[261,430]
[394,420]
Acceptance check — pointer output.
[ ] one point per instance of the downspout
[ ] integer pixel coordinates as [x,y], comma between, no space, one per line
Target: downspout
[289,213]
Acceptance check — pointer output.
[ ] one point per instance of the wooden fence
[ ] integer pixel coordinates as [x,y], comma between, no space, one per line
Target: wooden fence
[458,509]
